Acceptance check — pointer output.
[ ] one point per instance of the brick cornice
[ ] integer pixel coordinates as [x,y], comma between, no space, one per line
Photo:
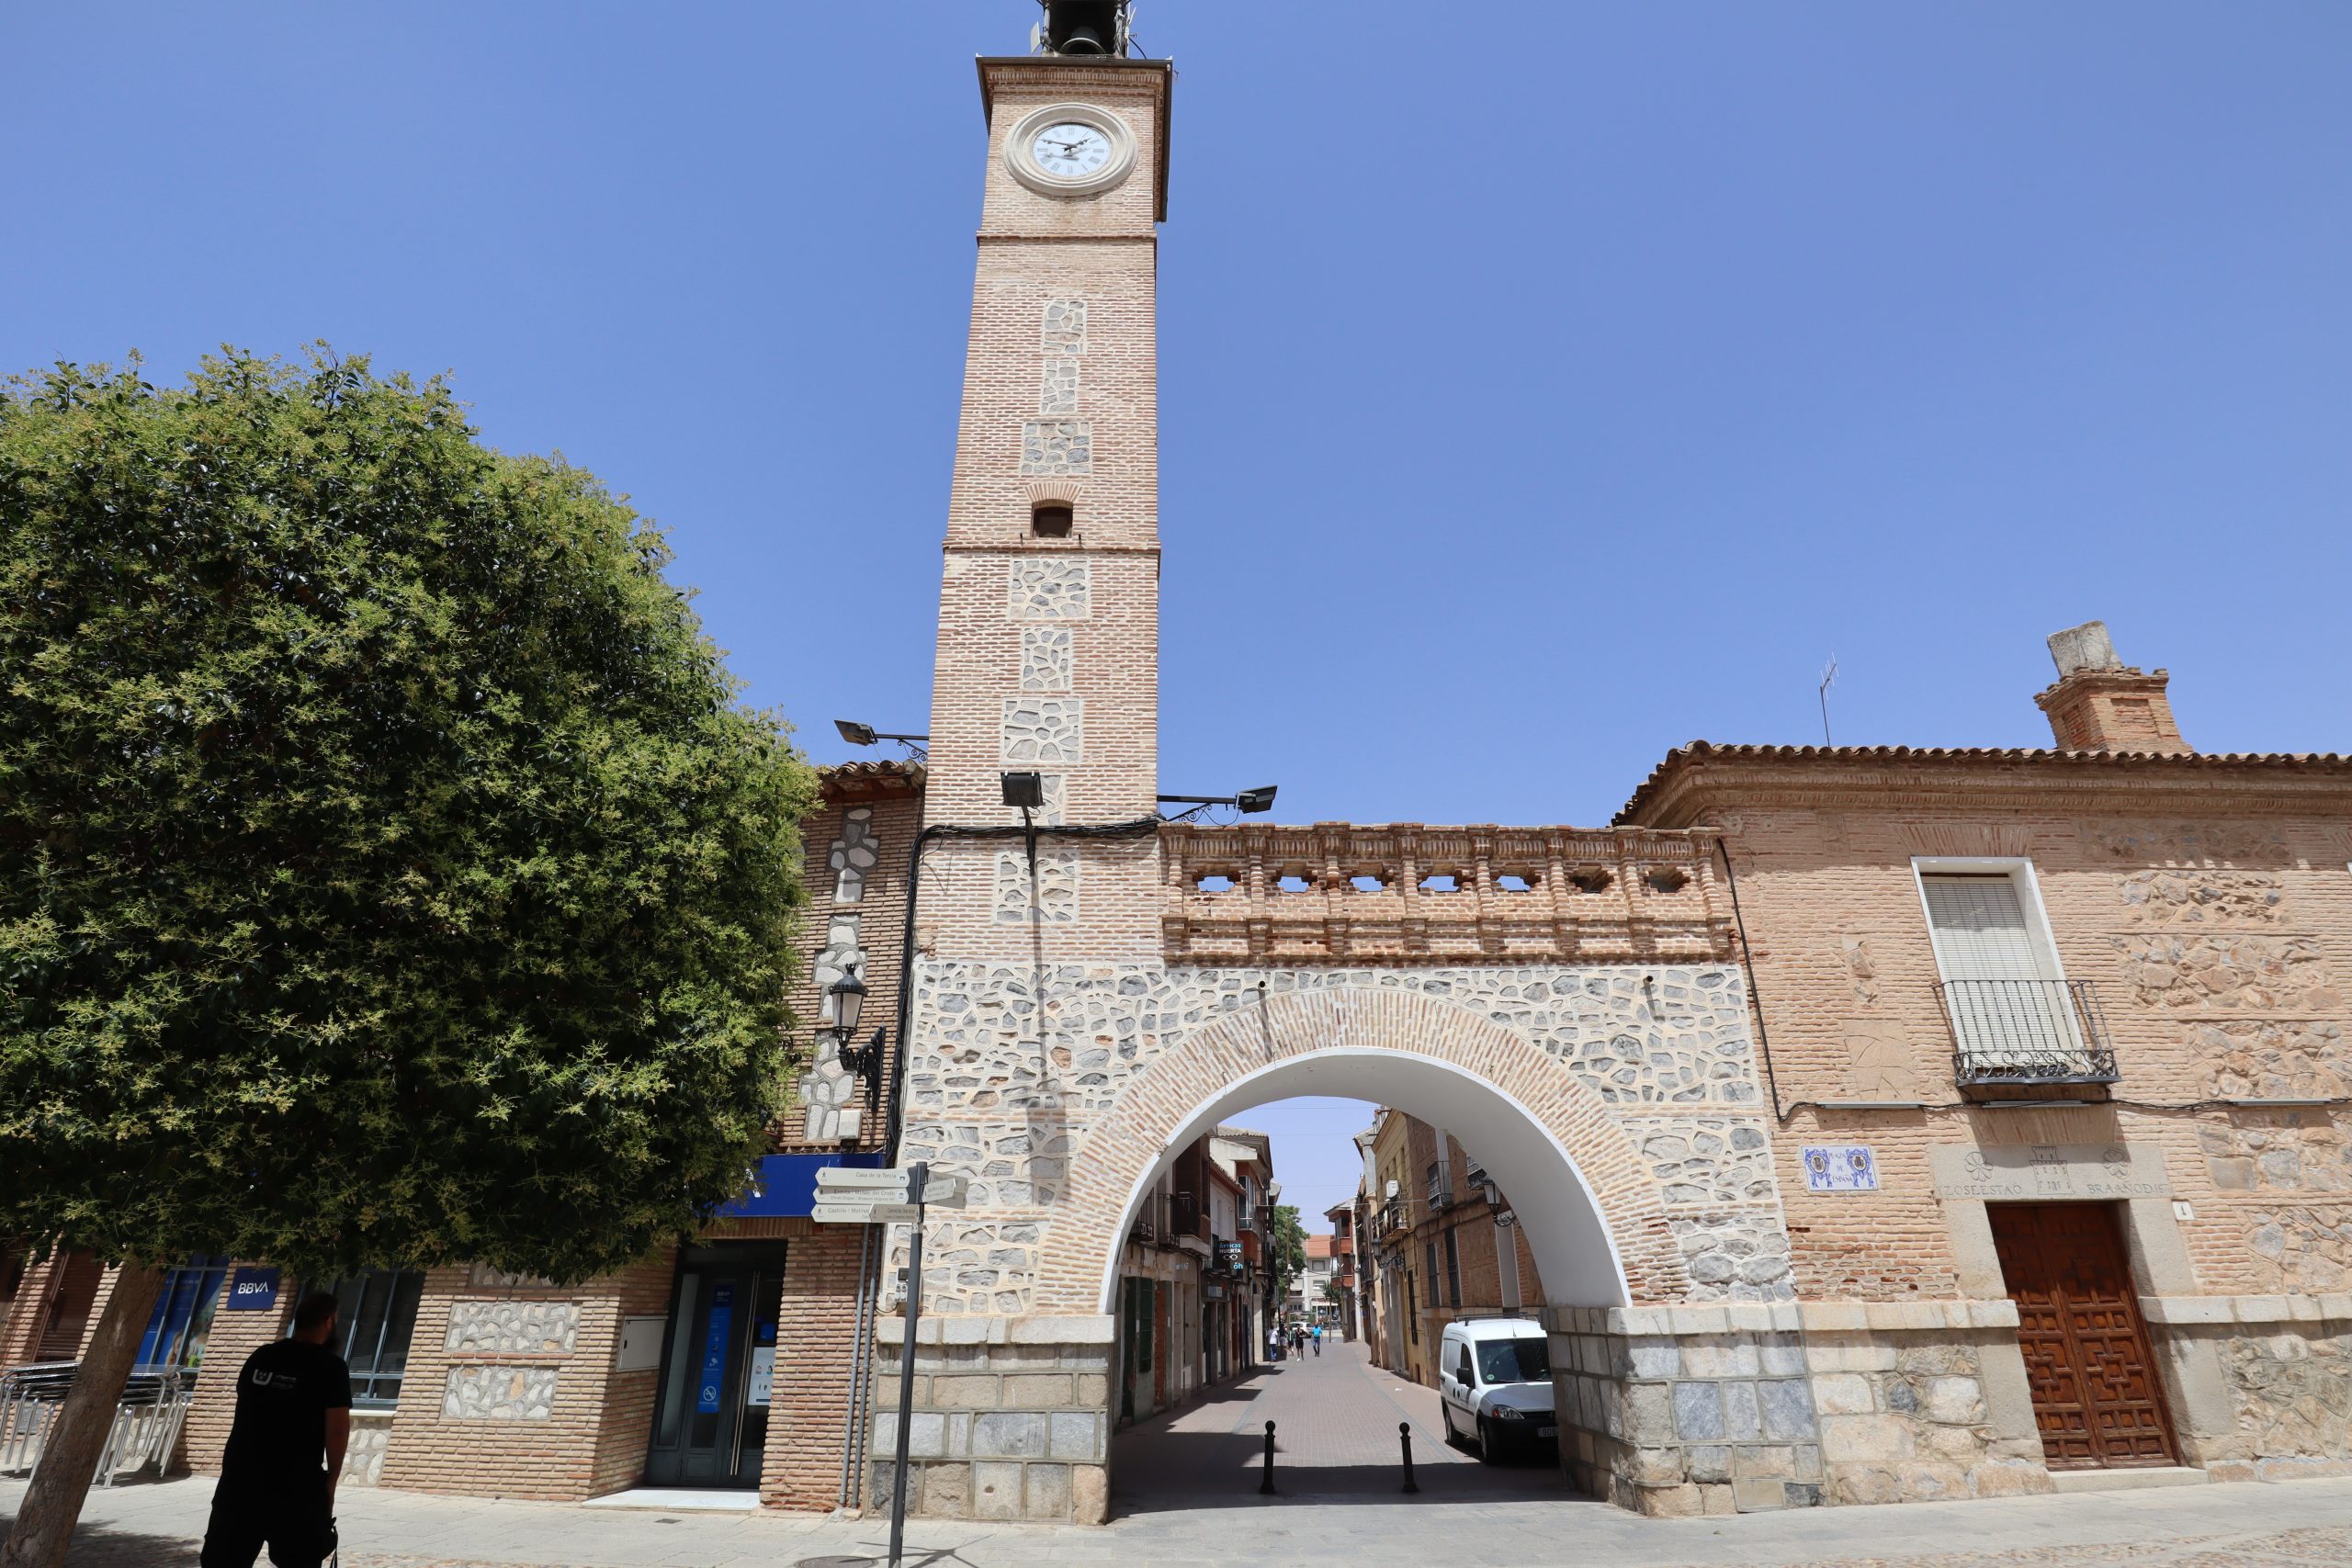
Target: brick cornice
[1696,781]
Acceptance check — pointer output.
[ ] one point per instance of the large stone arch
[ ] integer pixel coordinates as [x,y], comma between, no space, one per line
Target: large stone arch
[1593,1214]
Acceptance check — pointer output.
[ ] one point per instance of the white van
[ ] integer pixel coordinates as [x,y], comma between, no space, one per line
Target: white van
[1494,1384]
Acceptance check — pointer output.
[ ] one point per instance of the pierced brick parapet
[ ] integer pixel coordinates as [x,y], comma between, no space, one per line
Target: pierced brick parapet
[1338,892]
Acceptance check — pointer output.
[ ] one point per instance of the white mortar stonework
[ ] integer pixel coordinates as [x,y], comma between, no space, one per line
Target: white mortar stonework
[500,1394]
[1045,729]
[1048,589]
[852,855]
[1057,445]
[514,1327]
[1056,902]
[1046,658]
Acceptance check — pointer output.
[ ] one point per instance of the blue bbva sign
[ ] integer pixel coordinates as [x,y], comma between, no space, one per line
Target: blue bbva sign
[253,1290]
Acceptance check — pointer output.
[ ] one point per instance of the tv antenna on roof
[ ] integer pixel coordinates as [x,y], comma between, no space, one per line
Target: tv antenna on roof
[1828,678]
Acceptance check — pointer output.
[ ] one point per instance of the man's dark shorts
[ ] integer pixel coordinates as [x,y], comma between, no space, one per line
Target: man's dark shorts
[298,1534]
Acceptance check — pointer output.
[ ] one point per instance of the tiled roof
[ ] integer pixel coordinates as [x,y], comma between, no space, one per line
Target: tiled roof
[1698,751]
[860,781]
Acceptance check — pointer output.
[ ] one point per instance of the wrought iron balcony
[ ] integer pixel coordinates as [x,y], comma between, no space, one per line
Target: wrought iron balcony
[2027,1031]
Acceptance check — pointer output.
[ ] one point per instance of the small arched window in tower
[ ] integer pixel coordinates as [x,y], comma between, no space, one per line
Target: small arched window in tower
[1050,520]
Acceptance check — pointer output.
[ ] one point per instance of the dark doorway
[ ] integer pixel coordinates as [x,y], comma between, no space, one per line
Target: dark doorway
[2086,1356]
[710,1419]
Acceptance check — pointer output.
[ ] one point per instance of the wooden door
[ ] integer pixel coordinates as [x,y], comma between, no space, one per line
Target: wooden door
[2095,1392]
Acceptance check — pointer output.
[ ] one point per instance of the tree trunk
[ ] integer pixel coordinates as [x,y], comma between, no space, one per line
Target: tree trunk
[45,1518]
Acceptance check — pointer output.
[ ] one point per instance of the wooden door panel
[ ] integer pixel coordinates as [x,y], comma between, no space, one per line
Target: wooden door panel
[2095,1398]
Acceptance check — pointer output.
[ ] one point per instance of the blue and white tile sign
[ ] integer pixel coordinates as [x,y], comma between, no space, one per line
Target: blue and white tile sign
[1840,1167]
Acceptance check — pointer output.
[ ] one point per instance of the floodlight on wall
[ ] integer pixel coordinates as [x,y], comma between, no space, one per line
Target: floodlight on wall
[858,734]
[1024,791]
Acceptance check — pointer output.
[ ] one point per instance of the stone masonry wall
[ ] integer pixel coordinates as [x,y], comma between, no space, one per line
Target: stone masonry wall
[1011,1418]
[1015,1064]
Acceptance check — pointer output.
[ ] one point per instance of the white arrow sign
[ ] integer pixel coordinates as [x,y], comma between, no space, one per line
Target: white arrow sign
[843,1177]
[940,1189]
[864,1213]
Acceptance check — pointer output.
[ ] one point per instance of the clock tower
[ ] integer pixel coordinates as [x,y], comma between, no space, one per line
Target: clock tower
[1048,645]
[1047,670]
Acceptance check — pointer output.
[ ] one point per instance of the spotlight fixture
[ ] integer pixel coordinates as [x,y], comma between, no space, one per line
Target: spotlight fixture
[1249,801]
[1024,791]
[858,734]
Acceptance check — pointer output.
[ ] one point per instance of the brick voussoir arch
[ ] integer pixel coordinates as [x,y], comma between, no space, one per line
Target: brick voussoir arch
[1573,1173]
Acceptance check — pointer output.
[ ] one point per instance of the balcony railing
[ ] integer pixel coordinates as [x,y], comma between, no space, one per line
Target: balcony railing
[2027,1031]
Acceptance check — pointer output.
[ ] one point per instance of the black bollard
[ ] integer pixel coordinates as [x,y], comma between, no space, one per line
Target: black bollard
[1405,1436]
[1266,1487]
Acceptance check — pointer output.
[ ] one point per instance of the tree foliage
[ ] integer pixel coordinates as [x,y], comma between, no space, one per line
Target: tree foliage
[387,873]
[1289,1249]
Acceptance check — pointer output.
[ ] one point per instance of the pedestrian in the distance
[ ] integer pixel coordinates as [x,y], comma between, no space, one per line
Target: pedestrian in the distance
[285,1452]
[1318,1339]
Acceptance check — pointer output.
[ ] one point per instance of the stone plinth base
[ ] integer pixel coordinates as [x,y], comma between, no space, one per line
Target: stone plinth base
[1010,1421]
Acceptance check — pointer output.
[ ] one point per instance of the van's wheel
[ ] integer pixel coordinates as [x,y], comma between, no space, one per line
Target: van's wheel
[1454,1440]
[1489,1450]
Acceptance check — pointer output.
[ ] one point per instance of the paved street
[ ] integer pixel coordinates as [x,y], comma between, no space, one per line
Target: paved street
[1334,1510]
[1335,1435]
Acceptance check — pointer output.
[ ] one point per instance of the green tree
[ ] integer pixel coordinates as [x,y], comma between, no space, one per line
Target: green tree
[387,876]
[1289,1250]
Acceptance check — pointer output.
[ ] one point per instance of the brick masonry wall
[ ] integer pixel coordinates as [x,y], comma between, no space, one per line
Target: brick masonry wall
[808,1423]
[859,842]
[517,1416]
[2210,907]
[2220,949]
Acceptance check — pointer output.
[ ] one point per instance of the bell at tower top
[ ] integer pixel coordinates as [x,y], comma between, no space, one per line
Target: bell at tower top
[1082,29]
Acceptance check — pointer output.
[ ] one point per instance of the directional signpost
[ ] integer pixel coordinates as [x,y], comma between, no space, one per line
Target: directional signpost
[847,1196]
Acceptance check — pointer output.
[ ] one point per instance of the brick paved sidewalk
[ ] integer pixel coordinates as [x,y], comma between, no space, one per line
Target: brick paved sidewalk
[2292,1525]
[1335,1434]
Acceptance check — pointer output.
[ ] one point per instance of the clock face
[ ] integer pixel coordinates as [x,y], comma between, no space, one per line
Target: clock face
[1070,150]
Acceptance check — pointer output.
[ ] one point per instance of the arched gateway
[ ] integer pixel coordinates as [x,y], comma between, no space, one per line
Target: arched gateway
[1089,992]
[1591,1208]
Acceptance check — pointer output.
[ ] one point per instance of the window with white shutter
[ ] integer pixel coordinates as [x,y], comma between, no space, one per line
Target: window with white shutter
[2013,1016]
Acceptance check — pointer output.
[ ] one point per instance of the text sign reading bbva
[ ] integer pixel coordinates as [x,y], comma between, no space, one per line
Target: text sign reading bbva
[253,1290]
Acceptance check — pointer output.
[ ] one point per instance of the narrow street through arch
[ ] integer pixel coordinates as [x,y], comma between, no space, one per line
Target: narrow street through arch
[1335,1418]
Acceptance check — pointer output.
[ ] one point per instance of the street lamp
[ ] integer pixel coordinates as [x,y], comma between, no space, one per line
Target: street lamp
[1249,801]
[848,1002]
[865,1061]
[858,734]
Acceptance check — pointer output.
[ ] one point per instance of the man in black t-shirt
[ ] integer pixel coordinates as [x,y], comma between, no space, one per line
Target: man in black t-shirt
[285,1452]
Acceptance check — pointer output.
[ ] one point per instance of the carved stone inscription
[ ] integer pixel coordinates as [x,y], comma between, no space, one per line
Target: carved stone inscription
[2049,1172]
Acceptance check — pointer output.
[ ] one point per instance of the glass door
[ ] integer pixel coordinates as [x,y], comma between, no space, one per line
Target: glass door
[711,1417]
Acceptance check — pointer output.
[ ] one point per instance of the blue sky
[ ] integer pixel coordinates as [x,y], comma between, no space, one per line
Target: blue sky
[1539,390]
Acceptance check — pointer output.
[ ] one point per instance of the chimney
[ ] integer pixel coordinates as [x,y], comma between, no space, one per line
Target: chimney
[2101,704]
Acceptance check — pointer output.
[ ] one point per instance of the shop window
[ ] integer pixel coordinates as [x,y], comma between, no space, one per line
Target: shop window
[182,1321]
[71,1299]
[374,1314]
[12,1272]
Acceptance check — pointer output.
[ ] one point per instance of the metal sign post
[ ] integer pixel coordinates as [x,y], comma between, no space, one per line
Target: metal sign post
[916,1174]
[852,1196]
